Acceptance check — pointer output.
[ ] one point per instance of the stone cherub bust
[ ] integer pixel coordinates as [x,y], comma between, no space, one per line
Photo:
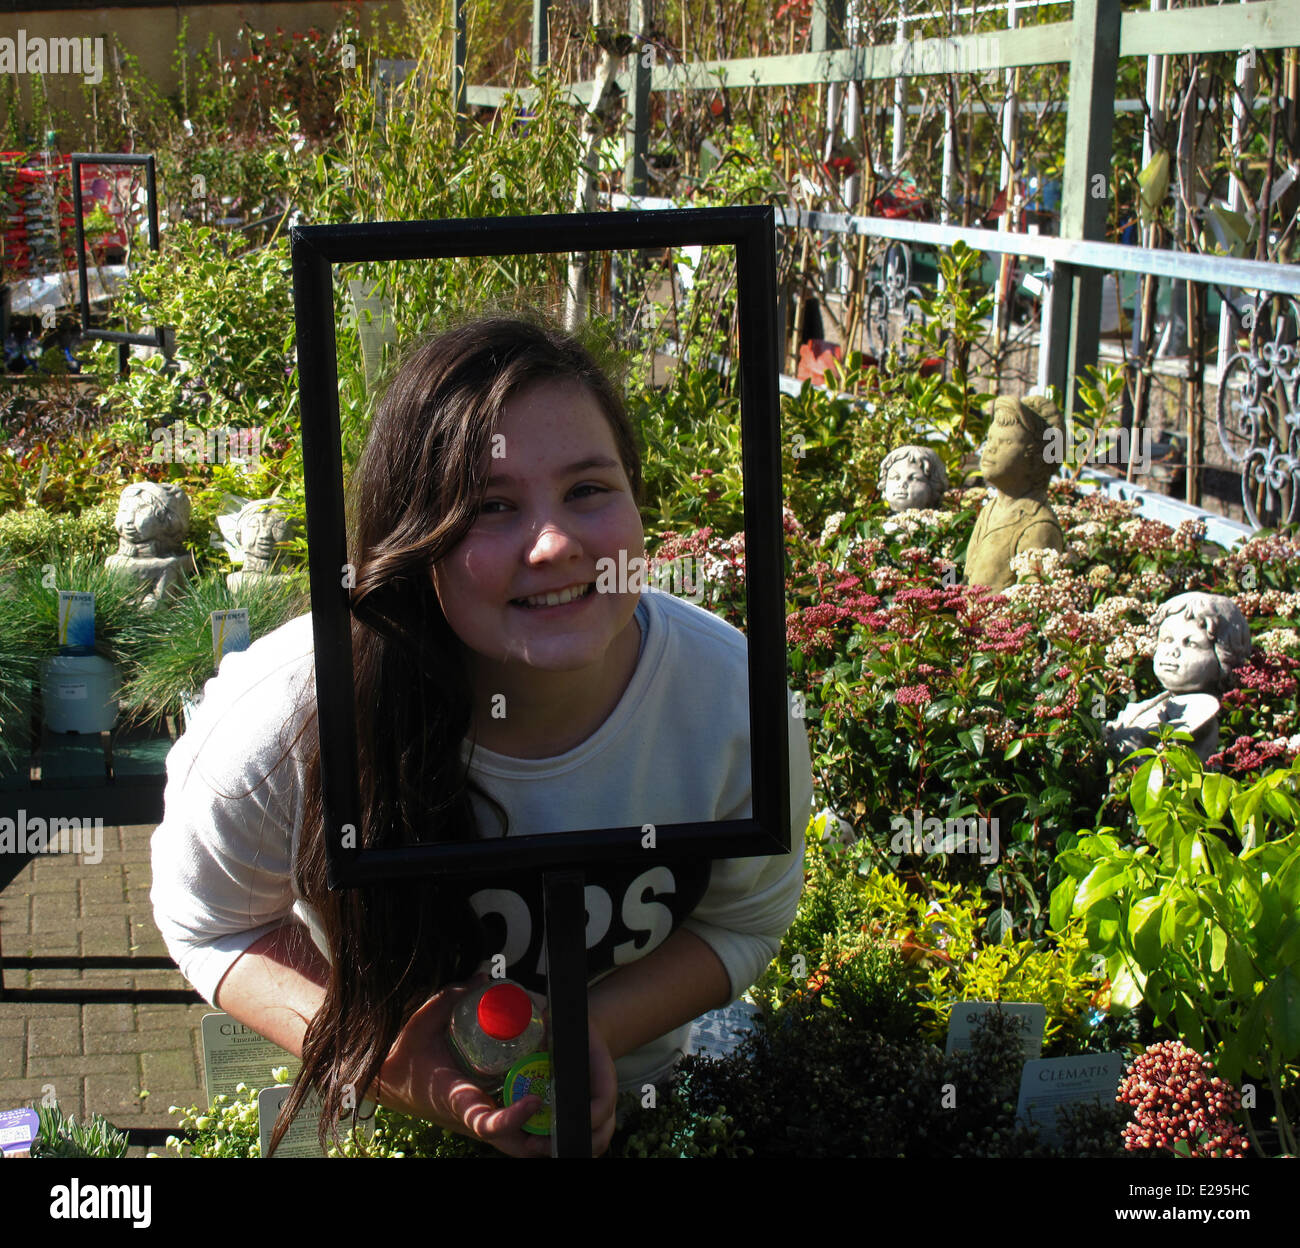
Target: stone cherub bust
[912,477]
[1201,638]
[1019,518]
[152,519]
[259,528]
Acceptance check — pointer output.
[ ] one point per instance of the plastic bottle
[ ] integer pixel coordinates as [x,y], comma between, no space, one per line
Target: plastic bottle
[493,1028]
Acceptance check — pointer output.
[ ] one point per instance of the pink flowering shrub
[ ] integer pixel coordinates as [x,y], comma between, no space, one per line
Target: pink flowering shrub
[1180,1105]
[927,694]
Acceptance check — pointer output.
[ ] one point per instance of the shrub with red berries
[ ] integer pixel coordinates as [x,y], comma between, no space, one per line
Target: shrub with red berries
[1180,1105]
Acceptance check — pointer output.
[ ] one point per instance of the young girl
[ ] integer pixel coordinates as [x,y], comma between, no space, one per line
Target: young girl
[497,693]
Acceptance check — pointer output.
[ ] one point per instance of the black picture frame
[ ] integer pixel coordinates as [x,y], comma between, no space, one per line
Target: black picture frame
[159,336]
[316,249]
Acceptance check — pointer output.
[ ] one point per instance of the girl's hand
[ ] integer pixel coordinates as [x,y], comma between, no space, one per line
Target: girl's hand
[604,1091]
[604,1079]
[422,1078]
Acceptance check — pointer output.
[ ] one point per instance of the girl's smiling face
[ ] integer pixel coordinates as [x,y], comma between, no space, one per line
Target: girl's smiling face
[558,501]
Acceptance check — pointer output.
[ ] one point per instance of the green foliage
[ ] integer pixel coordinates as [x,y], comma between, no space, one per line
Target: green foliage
[947,406]
[25,535]
[62,1137]
[817,1086]
[894,960]
[229,1128]
[22,630]
[1060,978]
[1202,917]
[671,1128]
[1098,416]
[226,1129]
[833,442]
[832,445]
[232,312]
[407,157]
[66,474]
[691,439]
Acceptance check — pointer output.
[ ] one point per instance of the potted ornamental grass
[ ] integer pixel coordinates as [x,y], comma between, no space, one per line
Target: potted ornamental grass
[20,631]
[79,678]
[170,652]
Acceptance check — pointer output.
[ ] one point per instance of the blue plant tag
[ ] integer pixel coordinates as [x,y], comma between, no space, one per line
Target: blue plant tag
[76,618]
[230,631]
[18,1128]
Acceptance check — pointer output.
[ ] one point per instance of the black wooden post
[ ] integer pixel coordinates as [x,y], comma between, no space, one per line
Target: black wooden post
[566,991]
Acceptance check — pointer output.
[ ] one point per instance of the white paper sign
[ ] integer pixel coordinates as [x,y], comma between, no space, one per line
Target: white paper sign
[1051,1082]
[1029,1017]
[300,1139]
[235,1054]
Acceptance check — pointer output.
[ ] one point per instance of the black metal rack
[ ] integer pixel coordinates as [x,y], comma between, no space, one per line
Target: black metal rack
[117,777]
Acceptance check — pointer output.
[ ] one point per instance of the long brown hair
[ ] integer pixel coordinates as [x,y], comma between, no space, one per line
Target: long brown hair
[414,496]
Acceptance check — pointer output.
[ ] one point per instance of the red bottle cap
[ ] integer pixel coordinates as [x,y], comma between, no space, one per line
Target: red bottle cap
[504,1011]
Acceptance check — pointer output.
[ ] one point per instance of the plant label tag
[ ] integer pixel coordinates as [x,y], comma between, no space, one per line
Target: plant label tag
[76,618]
[1030,1020]
[18,1128]
[229,632]
[235,1054]
[1050,1083]
[300,1139]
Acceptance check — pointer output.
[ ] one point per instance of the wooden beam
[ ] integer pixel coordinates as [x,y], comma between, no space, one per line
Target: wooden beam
[1229,27]
[1085,192]
[827,25]
[1221,28]
[636,125]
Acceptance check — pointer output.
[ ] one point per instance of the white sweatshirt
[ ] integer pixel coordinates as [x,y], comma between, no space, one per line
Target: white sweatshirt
[674,750]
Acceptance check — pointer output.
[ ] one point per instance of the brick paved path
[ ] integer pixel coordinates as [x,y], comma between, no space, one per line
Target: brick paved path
[98,1057]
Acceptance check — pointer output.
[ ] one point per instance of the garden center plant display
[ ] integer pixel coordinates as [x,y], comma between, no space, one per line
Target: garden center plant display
[1002,698]
[929,700]
[930,704]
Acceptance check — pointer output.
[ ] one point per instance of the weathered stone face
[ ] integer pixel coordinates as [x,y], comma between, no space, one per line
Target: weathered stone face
[1019,518]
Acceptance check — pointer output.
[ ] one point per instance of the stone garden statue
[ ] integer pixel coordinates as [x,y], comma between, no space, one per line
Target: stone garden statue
[1019,518]
[259,528]
[912,477]
[152,519]
[1201,638]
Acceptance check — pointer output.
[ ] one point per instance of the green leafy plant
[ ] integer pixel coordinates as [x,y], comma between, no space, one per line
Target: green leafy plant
[815,1085]
[232,314]
[1098,415]
[22,630]
[946,403]
[66,474]
[26,535]
[63,1137]
[1201,917]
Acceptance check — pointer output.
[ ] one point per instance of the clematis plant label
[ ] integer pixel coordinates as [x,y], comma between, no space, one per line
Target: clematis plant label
[1050,1083]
